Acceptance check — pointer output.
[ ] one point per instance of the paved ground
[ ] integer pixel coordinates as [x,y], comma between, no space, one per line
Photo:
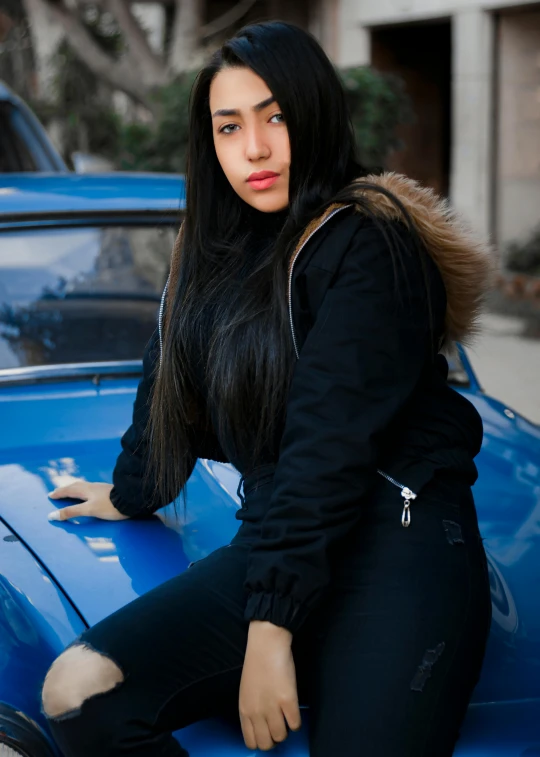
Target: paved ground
[508,365]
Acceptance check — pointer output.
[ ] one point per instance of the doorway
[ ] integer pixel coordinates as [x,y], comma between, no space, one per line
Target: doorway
[421,54]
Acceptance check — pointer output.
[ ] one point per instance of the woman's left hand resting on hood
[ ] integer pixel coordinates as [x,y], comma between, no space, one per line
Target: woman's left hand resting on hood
[268,696]
[97,502]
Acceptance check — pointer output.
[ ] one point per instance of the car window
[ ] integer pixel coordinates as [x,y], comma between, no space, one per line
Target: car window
[15,155]
[73,295]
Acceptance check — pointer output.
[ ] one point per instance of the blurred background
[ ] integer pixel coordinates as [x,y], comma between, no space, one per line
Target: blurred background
[446,91]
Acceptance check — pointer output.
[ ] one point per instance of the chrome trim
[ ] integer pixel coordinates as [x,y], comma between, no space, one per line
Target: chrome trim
[328,217]
[65,371]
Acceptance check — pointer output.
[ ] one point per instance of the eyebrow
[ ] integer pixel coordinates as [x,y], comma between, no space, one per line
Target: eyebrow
[235,112]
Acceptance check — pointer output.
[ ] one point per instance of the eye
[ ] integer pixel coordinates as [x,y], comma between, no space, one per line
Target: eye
[221,130]
[276,115]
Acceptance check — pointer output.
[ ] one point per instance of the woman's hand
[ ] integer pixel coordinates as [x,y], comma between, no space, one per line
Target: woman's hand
[268,695]
[97,502]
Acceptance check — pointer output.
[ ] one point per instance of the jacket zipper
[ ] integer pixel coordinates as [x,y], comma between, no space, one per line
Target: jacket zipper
[406,493]
[160,317]
[328,217]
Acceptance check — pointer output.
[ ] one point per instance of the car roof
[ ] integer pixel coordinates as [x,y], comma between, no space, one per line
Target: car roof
[36,195]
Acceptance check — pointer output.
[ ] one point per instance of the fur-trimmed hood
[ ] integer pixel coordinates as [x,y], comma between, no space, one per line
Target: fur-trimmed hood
[466,263]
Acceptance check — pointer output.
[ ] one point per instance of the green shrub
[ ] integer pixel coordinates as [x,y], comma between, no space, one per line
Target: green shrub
[160,146]
[378,103]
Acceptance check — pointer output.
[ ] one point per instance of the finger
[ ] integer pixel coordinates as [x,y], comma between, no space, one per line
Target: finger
[248,732]
[77,489]
[291,711]
[66,513]
[262,734]
[277,727]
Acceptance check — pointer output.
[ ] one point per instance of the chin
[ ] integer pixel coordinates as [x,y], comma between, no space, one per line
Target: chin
[269,204]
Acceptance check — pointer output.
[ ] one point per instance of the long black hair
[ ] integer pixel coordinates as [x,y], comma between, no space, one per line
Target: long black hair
[247,361]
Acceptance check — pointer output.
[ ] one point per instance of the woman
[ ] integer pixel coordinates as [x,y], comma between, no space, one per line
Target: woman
[298,339]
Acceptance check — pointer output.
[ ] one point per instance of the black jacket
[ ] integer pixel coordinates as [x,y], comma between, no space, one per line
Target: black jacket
[368,391]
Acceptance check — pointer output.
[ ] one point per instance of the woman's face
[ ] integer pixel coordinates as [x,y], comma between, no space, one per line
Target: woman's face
[250,136]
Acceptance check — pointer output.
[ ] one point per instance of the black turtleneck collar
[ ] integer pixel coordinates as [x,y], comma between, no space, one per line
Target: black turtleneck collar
[265,225]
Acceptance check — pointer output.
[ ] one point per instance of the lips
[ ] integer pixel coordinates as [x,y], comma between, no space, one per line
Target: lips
[262,180]
[262,175]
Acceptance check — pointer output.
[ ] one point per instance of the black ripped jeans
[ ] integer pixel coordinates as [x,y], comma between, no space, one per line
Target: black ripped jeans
[387,662]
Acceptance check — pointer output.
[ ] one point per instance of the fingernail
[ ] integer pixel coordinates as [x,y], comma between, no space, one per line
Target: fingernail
[55,515]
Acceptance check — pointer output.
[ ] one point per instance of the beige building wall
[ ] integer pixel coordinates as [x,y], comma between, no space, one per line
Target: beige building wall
[518,166]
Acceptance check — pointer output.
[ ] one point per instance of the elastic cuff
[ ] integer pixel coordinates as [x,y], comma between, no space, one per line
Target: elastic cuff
[123,507]
[277,609]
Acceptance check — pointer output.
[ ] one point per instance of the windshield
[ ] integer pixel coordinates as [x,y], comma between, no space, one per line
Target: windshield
[77,295]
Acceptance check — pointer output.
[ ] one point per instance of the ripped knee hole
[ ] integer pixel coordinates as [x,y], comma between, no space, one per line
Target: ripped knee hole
[77,675]
[426,667]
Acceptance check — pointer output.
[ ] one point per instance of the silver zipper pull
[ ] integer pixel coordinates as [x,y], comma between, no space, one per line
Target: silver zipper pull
[406,515]
[407,495]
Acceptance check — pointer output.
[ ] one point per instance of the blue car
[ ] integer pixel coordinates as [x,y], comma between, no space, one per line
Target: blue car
[83,262]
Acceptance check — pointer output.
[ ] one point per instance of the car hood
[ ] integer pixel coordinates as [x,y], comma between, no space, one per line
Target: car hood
[60,433]
[103,565]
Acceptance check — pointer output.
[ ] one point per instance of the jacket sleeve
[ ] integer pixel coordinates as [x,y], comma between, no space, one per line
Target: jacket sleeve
[357,368]
[129,494]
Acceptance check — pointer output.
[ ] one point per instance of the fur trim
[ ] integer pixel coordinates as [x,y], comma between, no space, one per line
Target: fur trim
[466,263]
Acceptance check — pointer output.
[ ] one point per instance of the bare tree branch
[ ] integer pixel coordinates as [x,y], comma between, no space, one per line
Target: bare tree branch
[140,69]
[46,35]
[185,35]
[118,73]
[226,19]
[135,36]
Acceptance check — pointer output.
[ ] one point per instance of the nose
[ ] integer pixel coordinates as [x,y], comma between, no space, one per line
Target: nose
[256,146]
